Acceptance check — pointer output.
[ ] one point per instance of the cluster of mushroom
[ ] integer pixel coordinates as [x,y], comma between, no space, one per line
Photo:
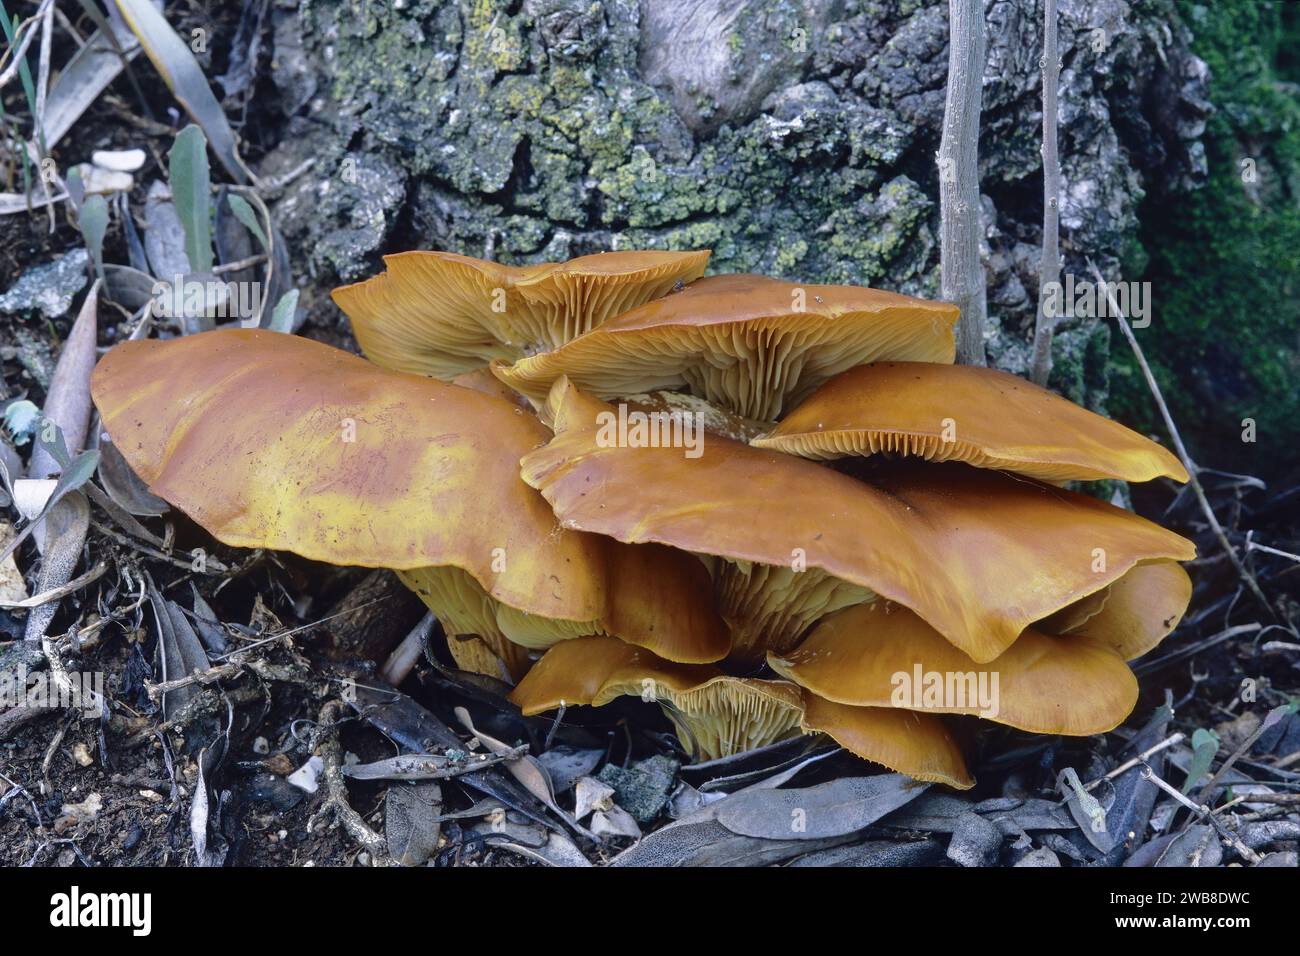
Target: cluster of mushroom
[771,508]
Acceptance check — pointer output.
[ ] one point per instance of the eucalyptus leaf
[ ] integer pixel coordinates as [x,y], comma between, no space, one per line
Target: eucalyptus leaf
[411,822]
[837,808]
[191,185]
[282,315]
[1205,744]
[173,59]
[245,214]
[93,221]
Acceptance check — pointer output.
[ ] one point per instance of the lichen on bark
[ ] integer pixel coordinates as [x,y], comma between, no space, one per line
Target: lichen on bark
[793,137]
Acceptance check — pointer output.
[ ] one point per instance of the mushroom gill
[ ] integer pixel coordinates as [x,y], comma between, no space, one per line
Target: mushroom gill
[442,314]
[750,344]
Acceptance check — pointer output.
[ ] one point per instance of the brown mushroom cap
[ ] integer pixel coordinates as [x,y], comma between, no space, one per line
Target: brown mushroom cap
[866,655]
[746,343]
[441,314]
[287,444]
[716,715]
[979,554]
[982,416]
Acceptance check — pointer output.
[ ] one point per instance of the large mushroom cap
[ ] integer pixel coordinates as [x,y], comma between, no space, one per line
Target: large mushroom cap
[441,314]
[716,715]
[750,344]
[979,554]
[275,441]
[283,443]
[876,655]
[981,416]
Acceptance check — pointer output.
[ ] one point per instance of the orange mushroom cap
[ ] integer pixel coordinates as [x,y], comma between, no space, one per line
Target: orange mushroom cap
[716,715]
[275,441]
[982,416]
[441,314]
[979,554]
[1140,609]
[877,655]
[747,343]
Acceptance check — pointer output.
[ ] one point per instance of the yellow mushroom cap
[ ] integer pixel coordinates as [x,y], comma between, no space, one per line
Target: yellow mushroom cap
[716,715]
[982,416]
[1140,609]
[441,314]
[875,655]
[979,554]
[919,745]
[747,343]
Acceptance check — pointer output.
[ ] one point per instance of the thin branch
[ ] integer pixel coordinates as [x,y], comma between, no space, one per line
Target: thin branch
[961,271]
[1179,447]
[1049,268]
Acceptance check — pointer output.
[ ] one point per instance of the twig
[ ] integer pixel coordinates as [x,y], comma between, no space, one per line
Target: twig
[29,26]
[400,662]
[1249,742]
[325,742]
[239,264]
[1139,759]
[961,272]
[54,594]
[1049,268]
[1179,447]
[1202,812]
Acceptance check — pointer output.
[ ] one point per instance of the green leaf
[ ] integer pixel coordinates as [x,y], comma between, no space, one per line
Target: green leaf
[93,221]
[245,214]
[54,444]
[187,171]
[172,57]
[282,314]
[1205,744]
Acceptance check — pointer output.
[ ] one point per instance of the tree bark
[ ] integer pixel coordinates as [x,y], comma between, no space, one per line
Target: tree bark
[1049,270]
[959,193]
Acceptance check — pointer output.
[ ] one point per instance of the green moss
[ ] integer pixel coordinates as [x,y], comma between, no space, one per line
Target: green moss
[1225,260]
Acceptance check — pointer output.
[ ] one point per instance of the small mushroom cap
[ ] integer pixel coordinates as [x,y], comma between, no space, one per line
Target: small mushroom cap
[872,655]
[653,597]
[979,554]
[274,441]
[441,314]
[746,343]
[919,745]
[1141,609]
[982,416]
[730,714]
[715,714]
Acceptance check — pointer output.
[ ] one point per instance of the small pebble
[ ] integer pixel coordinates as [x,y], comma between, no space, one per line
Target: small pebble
[118,160]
